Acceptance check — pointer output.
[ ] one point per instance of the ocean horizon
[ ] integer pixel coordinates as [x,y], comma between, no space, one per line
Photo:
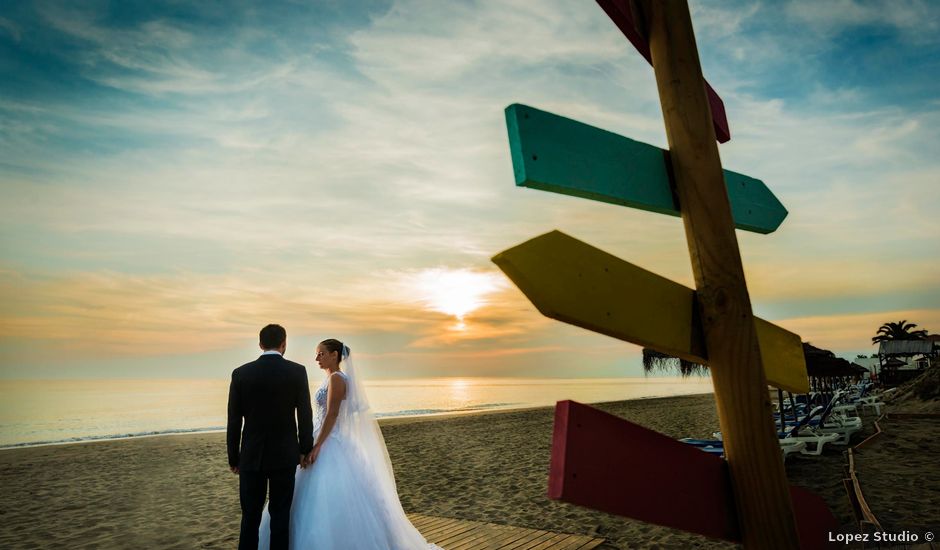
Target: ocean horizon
[54,412]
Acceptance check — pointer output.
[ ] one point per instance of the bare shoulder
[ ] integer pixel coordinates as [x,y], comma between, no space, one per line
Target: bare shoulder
[338,381]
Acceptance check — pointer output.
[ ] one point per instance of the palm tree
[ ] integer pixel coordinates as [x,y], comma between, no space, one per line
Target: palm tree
[898,331]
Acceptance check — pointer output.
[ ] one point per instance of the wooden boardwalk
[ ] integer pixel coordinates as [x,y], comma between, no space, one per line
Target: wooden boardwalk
[457,534]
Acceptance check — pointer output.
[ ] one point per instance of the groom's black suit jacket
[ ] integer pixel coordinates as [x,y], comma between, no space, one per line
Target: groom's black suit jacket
[266,392]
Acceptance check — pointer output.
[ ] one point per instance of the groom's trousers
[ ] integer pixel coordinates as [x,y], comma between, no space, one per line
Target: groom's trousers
[252,487]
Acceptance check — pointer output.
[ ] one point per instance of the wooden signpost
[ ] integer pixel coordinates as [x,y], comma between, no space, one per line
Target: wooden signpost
[575,283]
[678,486]
[557,154]
[578,284]
[626,16]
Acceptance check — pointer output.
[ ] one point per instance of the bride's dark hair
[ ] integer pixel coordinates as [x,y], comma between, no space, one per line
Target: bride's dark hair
[331,345]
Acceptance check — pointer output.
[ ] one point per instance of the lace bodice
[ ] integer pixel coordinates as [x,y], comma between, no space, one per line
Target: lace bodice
[319,402]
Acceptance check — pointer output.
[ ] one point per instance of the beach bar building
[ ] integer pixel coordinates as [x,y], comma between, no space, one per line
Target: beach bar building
[903,360]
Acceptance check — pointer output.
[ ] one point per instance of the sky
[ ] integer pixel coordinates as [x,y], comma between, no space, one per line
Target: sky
[175,175]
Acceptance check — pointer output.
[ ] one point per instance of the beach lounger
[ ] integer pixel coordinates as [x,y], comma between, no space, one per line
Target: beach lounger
[710,446]
[813,442]
[843,428]
[832,427]
[875,401]
[870,402]
[801,432]
[716,446]
[859,399]
[832,415]
[790,446]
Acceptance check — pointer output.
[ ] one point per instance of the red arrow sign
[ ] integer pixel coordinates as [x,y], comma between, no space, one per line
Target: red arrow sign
[604,462]
[623,14]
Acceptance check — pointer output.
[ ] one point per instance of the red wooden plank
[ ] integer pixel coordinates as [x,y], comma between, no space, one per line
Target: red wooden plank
[814,520]
[623,14]
[610,464]
[719,116]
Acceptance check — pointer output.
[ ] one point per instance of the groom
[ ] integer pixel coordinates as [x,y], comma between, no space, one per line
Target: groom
[266,392]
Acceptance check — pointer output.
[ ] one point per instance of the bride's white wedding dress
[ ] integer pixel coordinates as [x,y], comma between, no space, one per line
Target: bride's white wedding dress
[347,499]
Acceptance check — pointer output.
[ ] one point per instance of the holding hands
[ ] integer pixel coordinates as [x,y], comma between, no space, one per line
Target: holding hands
[311,457]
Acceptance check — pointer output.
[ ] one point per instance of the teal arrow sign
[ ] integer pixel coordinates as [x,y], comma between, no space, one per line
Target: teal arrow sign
[557,154]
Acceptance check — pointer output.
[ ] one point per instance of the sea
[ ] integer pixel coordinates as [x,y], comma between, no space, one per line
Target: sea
[50,412]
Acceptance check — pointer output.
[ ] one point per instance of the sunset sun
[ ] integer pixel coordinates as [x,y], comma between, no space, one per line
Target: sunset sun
[456,292]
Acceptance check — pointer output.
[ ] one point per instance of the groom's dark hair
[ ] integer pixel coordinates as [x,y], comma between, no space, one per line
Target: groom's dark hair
[272,336]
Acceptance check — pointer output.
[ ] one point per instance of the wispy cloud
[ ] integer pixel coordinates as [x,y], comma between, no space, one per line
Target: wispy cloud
[114,313]
[165,175]
[915,19]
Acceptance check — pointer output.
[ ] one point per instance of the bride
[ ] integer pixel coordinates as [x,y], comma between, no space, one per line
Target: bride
[346,497]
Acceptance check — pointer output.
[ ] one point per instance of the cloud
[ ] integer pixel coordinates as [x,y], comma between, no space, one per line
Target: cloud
[201,175]
[118,314]
[10,28]
[428,42]
[912,18]
[721,21]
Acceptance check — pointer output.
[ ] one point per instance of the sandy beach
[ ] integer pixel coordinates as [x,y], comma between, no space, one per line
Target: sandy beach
[176,491]
[898,474]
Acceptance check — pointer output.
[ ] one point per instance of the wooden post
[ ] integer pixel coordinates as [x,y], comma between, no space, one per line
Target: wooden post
[744,409]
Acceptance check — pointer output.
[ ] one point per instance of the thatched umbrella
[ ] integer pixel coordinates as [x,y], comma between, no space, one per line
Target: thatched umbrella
[821,366]
[656,361]
[820,363]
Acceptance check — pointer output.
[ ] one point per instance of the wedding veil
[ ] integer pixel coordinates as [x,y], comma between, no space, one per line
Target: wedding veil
[357,424]
[380,520]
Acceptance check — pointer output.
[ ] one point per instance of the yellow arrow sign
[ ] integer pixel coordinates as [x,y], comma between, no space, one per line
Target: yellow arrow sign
[573,282]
